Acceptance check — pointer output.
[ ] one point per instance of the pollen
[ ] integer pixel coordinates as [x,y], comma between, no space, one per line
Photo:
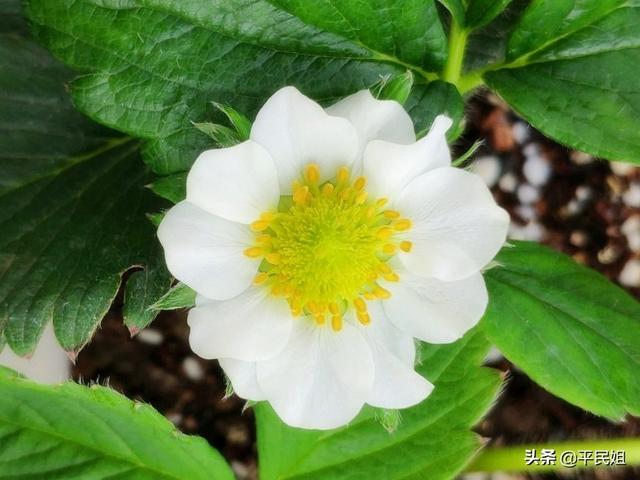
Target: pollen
[326,248]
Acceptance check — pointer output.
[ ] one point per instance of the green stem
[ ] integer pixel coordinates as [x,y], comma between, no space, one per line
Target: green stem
[512,459]
[457,46]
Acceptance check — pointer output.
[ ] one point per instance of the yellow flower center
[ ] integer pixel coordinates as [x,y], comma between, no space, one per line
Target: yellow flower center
[327,246]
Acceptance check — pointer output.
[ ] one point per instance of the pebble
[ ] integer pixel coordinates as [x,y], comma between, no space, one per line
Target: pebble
[528,193]
[573,207]
[240,470]
[508,183]
[578,238]
[150,336]
[192,369]
[521,132]
[526,212]
[622,168]
[630,274]
[631,229]
[536,170]
[632,196]
[583,193]
[609,254]
[580,158]
[488,168]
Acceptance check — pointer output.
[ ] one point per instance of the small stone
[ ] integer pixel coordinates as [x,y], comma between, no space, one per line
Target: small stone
[630,274]
[150,336]
[532,150]
[583,193]
[241,470]
[573,207]
[528,193]
[521,132]
[578,238]
[609,254]
[488,168]
[175,418]
[192,369]
[508,183]
[632,196]
[580,158]
[622,168]
[526,212]
[536,170]
[631,229]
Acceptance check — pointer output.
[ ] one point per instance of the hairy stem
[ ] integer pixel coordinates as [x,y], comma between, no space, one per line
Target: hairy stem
[457,46]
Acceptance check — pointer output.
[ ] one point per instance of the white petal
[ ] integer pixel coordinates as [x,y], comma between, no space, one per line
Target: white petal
[206,252]
[457,226]
[297,131]
[374,119]
[237,183]
[321,379]
[433,310]
[389,167]
[396,384]
[243,378]
[252,326]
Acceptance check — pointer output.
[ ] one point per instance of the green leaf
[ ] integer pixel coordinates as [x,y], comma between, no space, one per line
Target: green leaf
[397,88]
[481,12]
[572,72]
[472,14]
[171,187]
[241,124]
[151,71]
[71,207]
[222,135]
[426,102]
[569,328]
[72,431]
[179,296]
[432,441]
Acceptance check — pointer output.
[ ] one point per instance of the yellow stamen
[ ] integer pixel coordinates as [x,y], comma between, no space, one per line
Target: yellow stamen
[359,183]
[254,252]
[300,195]
[381,293]
[320,319]
[260,278]
[389,248]
[391,277]
[384,268]
[336,323]
[405,246]
[401,225]
[268,216]
[327,189]
[343,174]
[334,309]
[369,295]
[361,198]
[264,239]
[384,233]
[259,225]
[273,258]
[381,202]
[313,173]
[391,214]
[360,304]
[363,318]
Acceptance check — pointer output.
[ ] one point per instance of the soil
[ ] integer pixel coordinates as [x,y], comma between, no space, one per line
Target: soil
[579,209]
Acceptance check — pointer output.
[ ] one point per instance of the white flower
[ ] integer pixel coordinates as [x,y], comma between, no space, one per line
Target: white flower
[322,246]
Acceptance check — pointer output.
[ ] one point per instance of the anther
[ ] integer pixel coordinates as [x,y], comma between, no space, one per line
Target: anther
[361,197]
[405,246]
[391,214]
[359,183]
[336,323]
[391,277]
[327,189]
[369,296]
[273,258]
[343,174]
[313,173]
[389,248]
[381,202]
[334,309]
[384,233]
[259,225]
[401,225]
[320,319]
[384,268]
[264,239]
[254,252]
[260,278]
[381,293]
[267,216]
[363,318]
[360,304]
[300,194]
